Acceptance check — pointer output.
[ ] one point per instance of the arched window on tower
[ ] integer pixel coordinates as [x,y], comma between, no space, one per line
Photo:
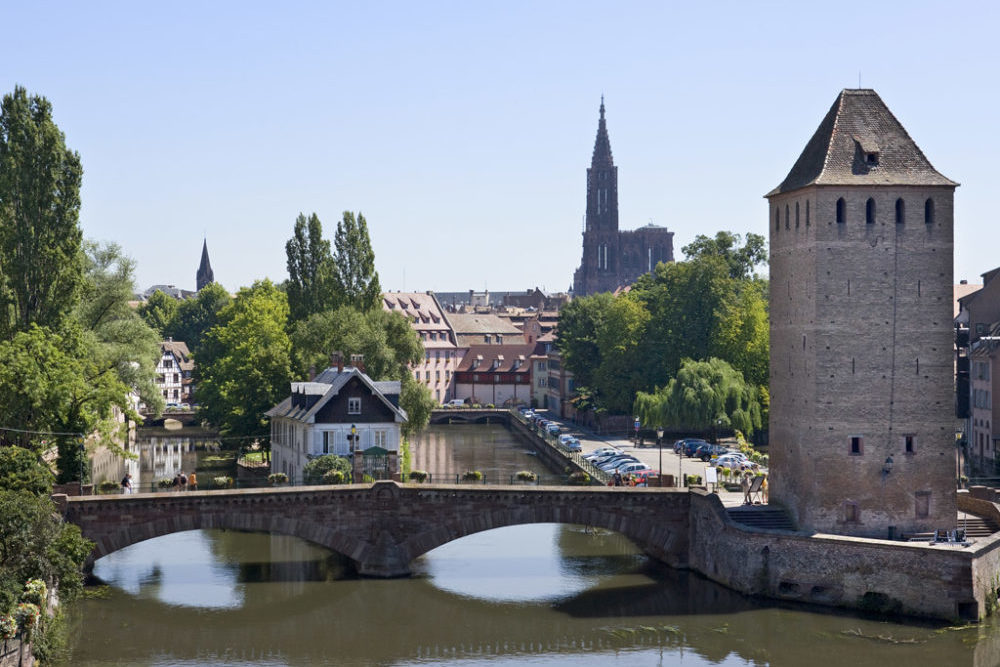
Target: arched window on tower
[929,211]
[841,214]
[870,211]
[900,211]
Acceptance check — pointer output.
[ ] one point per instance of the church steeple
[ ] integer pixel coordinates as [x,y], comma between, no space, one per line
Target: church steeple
[205,274]
[602,182]
[602,145]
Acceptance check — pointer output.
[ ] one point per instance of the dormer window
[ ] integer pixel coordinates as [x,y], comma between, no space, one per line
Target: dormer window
[871,159]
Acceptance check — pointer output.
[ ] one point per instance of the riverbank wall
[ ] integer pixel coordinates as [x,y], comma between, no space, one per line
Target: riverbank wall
[942,581]
[15,652]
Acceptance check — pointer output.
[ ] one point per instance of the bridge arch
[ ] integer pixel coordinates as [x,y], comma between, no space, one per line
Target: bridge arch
[384,526]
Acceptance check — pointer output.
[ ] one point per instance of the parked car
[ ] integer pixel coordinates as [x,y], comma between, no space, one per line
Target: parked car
[610,466]
[633,467]
[455,403]
[610,457]
[733,461]
[707,451]
[552,428]
[570,444]
[691,445]
[601,452]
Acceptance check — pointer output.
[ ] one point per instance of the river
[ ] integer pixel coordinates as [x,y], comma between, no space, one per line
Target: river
[541,594]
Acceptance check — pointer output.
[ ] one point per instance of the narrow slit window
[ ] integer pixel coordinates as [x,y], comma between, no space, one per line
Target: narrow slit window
[841,212]
[900,211]
[857,445]
[807,213]
[929,212]
[870,211]
[796,215]
[909,442]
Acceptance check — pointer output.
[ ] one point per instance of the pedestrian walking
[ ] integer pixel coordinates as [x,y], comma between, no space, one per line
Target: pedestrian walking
[745,486]
[193,481]
[127,483]
[184,481]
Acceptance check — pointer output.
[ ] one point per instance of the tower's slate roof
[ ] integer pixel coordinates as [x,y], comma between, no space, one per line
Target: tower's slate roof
[602,145]
[858,126]
[205,275]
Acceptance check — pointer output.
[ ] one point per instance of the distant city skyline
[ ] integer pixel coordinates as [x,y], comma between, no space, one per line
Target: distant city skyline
[463,131]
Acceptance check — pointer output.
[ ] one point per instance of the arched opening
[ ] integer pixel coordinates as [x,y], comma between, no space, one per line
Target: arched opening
[900,211]
[841,213]
[929,211]
[870,211]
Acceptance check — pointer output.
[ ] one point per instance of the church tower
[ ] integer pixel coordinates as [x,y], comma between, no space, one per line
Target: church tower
[205,274]
[861,243]
[599,267]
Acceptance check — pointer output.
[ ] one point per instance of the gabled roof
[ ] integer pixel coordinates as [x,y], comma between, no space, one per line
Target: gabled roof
[328,384]
[180,351]
[498,358]
[860,142]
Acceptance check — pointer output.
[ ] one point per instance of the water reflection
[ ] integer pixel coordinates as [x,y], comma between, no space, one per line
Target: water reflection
[542,594]
[446,451]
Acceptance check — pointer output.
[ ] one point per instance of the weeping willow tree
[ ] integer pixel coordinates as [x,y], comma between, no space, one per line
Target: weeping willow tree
[703,394]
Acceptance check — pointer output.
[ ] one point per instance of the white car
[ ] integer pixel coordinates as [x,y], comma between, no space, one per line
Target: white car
[734,461]
[635,466]
[601,452]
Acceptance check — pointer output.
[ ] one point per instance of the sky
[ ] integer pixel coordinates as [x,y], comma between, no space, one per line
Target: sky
[462,131]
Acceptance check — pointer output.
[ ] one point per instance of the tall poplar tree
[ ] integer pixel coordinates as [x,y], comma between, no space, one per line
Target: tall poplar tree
[355,277]
[310,285]
[41,264]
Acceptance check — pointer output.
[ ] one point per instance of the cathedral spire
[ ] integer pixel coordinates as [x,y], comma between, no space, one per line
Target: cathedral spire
[602,145]
[205,274]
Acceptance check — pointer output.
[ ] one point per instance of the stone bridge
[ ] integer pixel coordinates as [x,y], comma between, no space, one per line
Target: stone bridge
[470,416]
[382,527]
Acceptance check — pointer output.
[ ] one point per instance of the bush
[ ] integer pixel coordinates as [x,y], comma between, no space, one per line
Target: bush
[35,592]
[276,478]
[472,476]
[108,486]
[164,483]
[8,626]
[692,480]
[223,482]
[579,478]
[334,477]
[315,470]
[28,616]
[419,476]
[525,476]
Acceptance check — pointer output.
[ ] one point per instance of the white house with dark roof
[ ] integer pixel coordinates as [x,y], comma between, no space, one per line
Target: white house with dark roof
[173,372]
[342,411]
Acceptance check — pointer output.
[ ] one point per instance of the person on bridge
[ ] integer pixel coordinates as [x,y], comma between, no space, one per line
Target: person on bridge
[193,481]
[127,483]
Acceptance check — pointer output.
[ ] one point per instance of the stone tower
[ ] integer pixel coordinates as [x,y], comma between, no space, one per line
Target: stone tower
[861,425]
[205,274]
[613,258]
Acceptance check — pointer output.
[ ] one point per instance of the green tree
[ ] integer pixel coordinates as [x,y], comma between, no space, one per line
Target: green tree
[355,278]
[196,316]
[741,260]
[41,266]
[313,471]
[243,365]
[310,285]
[159,312]
[704,395]
[118,338]
[620,338]
[36,544]
[385,339]
[579,324]
[24,470]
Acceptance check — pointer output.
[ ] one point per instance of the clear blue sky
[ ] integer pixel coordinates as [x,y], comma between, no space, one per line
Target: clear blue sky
[463,130]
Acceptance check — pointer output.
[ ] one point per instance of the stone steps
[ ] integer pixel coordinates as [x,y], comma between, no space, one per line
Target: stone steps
[974,526]
[760,516]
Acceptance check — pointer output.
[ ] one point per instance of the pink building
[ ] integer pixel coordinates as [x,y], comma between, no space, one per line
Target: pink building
[441,354]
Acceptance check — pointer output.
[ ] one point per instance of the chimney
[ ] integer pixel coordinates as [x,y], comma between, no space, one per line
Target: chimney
[358,361]
[312,372]
[337,359]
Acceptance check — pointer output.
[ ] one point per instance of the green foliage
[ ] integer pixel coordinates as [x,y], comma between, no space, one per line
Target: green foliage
[741,260]
[277,478]
[418,402]
[107,487]
[703,394]
[41,268]
[8,626]
[165,483]
[334,477]
[311,270]
[224,482]
[355,280]
[244,363]
[36,544]
[195,317]
[579,478]
[315,470]
[35,592]
[418,476]
[472,476]
[159,312]
[23,470]
[525,476]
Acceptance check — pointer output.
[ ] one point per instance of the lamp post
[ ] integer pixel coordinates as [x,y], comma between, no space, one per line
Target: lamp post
[659,445]
[353,437]
[680,460]
[637,423]
[82,457]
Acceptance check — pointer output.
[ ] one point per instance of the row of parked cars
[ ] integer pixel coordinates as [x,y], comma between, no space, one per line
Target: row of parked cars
[566,441]
[611,460]
[714,455]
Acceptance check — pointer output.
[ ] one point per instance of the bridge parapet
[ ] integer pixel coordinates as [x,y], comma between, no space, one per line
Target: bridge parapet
[383,526]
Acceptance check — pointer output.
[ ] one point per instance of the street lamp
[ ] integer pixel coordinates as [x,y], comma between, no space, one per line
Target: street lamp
[637,422]
[659,445]
[353,437]
[82,457]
